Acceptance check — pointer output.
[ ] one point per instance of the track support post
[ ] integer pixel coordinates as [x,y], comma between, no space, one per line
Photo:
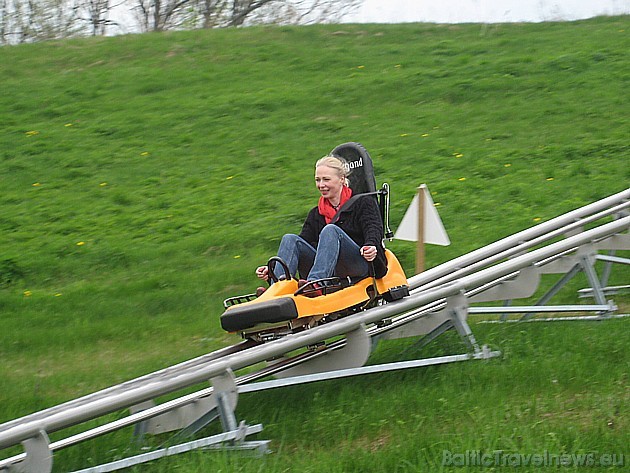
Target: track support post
[39,456]
[457,307]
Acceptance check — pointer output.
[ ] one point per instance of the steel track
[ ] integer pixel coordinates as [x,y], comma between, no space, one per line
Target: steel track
[439,280]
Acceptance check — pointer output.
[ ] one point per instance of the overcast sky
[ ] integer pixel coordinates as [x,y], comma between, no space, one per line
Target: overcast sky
[484,11]
[458,11]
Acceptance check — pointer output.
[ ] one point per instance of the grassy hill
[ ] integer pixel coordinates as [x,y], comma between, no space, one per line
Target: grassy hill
[144,177]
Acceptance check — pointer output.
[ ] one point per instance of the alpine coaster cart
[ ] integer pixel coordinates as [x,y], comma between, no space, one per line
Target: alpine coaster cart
[285,308]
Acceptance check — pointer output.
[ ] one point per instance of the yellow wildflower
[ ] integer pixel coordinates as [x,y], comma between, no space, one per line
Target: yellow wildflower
[27,293]
[80,243]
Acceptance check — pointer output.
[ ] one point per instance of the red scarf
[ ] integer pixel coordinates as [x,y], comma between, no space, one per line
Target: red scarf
[327,210]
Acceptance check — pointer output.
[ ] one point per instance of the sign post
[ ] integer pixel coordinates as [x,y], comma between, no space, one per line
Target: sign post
[421,231]
[422,224]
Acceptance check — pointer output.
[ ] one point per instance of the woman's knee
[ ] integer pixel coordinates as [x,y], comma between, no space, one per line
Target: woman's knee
[330,230]
[289,239]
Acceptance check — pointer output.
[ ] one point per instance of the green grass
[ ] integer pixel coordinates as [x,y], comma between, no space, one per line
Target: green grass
[144,178]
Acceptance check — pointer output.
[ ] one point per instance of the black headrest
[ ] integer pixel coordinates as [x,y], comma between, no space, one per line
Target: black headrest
[361,171]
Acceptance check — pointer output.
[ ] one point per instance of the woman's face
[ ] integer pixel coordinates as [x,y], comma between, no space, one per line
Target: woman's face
[328,182]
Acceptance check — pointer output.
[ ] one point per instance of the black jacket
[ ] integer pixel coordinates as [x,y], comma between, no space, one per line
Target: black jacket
[360,219]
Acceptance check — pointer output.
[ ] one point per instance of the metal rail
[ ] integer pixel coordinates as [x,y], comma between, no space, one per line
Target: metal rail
[521,241]
[469,274]
[105,394]
[174,379]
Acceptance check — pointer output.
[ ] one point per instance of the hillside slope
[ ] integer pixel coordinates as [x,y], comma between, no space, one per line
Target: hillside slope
[144,177]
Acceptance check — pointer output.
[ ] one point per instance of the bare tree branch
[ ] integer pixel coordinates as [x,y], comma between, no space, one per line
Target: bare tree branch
[36,20]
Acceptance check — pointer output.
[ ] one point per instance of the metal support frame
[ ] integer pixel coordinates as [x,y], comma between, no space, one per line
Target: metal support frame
[354,353]
[458,309]
[432,325]
[525,282]
[483,354]
[39,456]
[585,263]
[454,315]
[447,282]
[212,442]
[191,418]
[608,260]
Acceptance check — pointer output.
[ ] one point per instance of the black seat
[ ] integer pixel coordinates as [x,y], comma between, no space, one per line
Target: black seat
[361,177]
[361,170]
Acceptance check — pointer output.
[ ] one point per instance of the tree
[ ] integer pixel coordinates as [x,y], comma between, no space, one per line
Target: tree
[158,15]
[95,14]
[38,20]
[35,20]
[23,21]
[301,12]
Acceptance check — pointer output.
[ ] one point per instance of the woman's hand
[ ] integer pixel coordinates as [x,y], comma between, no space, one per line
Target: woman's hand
[262,272]
[368,252]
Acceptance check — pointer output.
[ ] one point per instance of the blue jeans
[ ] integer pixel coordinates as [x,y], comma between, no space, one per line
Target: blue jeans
[336,255]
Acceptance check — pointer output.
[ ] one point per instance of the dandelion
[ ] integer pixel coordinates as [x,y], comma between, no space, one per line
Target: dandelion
[58,294]
[360,67]
[68,125]
[32,133]
[536,219]
[144,153]
[404,134]
[229,177]
[28,293]
[237,256]
[80,243]
[458,155]
[462,179]
[36,184]
[103,184]
[550,178]
[424,135]
[507,165]
[437,204]
[397,66]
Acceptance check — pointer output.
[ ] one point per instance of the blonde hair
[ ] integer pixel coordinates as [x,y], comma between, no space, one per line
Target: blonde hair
[338,164]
